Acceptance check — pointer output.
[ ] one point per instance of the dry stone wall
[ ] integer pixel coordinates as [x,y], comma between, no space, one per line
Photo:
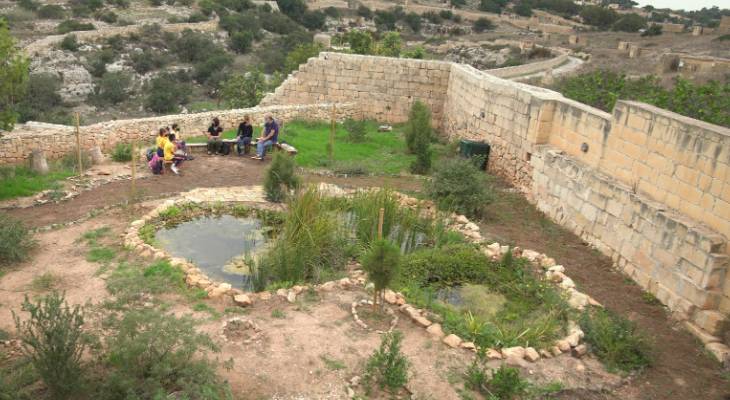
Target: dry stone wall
[59,140]
[646,186]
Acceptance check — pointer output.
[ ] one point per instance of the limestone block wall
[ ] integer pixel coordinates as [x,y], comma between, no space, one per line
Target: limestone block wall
[384,87]
[677,259]
[59,140]
[530,68]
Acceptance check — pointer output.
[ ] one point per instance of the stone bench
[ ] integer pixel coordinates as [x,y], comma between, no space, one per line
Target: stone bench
[202,147]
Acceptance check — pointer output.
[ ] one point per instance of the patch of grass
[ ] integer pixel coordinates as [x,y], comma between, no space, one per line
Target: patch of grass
[131,283]
[44,282]
[147,234]
[650,299]
[101,254]
[276,313]
[331,363]
[616,341]
[94,235]
[21,181]
[202,307]
[122,152]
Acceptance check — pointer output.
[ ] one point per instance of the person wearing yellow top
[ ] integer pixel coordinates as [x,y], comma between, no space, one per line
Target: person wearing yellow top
[160,141]
[170,156]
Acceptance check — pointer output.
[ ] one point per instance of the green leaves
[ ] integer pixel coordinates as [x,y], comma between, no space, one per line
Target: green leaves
[13,78]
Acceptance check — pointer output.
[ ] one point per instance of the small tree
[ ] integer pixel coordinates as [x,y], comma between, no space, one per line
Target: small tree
[381,263]
[15,240]
[361,42]
[419,124]
[300,55]
[390,45]
[13,77]
[241,42]
[483,24]
[422,148]
[458,185]
[387,367]
[52,339]
[247,90]
[70,43]
[280,178]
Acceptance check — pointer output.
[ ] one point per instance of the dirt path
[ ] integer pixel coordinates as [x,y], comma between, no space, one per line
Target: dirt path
[681,369]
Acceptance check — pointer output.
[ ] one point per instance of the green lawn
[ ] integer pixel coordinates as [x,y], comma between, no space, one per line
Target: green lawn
[380,153]
[21,181]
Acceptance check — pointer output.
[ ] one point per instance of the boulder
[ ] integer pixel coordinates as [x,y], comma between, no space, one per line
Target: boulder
[96,156]
[422,321]
[577,300]
[720,351]
[530,255]
[242,300]
[462,219]
[452,341]
[291,296]
[547,262]
[264,295]
[390,296]
[468,346]
[493,354]
[514,352]
[579,351]
[38,162]
[471,227]
[563,345]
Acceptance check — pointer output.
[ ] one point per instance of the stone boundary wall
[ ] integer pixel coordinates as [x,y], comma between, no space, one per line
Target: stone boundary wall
[670,173]
[59,140]
[42,45]
[384,87]
[530,68]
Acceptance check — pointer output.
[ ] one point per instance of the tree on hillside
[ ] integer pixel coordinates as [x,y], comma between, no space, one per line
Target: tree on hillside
[361,42]
[390,45]
[13,78]
[300,55]
[483,24]
[630,23]
[523,8]
[599,17]
[244,90]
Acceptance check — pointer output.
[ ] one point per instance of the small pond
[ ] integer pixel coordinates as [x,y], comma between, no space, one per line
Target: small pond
[217,245]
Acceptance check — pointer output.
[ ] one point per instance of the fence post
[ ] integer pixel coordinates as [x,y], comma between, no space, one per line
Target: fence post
[78,145]
[134,172]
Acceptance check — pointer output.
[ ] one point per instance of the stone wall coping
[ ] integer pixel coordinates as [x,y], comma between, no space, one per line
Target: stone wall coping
[717,129]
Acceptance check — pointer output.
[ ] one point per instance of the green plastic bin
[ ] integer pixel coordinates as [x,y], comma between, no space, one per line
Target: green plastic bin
[472,148]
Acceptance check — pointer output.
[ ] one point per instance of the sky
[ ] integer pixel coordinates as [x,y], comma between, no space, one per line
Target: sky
[685,4]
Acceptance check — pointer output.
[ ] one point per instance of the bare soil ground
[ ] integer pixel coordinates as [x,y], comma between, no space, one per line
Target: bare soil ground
[286,363]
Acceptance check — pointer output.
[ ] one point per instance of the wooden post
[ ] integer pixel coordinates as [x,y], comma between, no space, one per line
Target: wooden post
[333,128]
[134,173]
[78,145]
[380,223]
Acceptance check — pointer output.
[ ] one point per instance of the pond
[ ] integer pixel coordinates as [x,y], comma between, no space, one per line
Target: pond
[217,245]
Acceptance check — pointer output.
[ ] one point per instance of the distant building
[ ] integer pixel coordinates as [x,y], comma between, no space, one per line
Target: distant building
[724,26]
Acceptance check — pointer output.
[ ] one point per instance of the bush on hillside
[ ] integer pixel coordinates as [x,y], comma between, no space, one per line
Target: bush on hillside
[122,152]
[241,42]
[600,17]
[51,11]
[69,43]
[483,24]
[629,23]
[71,25]
[615,340]
[112,88]
[52,338]
[16,241]
[166,94]
[458,185]
[653,30]
[387,366]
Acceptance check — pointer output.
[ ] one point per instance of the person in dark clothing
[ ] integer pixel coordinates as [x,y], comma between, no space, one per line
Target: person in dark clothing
[268,138]
[244,136]
[215,142]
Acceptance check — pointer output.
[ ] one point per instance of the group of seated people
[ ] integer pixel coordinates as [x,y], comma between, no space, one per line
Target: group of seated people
[244,137]
[170,150]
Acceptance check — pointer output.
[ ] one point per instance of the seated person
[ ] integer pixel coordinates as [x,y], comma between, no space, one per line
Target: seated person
[215,142]
[179,140]
[160,141]
[268,138]
[173,156]
[244,135]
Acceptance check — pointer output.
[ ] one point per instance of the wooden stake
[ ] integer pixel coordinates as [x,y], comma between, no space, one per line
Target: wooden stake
[78,145]
[333,128]
[134,172]
[380,223]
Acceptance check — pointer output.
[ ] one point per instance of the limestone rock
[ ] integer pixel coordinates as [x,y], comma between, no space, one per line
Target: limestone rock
[579,351]
[557,268]
[531,354]
[452,341]
[291,296]
[516,352]
[390,296]
[530,255]
[563,345]
[96,156]
[578,300]
[720,351]
[422,321]
[435,330]
[462,219]
[468,346]
[545,353]
[38,162]
[493,354]
[471,227]
[264,295]
[242,300]
[573,339]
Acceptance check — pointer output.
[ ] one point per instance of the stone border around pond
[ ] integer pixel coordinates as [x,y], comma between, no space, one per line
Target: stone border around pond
[194,277]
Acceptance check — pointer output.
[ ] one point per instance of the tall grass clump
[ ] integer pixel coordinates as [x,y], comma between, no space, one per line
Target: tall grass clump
[458,185]
[280,178]
[309,248]
[16,240]
[52,339]
[356,130]
[615,340]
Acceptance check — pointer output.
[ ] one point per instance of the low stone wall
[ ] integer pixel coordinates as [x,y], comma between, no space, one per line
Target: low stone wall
[531,68]
[40,46]
[59,140]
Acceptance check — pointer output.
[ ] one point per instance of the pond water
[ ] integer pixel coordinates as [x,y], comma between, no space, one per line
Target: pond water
[479,300]
[217,245]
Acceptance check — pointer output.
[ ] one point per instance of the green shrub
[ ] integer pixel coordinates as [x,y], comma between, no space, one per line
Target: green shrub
[449,265]
[122,152]
[148,60]
[52,339]
[280,178]
[598,16]
[16,240]
[458,185]
[653,30]
[387,367]
[112,88]
[70,161]
[241,42]
[381,262]
[42,97]
[51,11]
[365,12]
[506,384]
[152,354]
[107,16]
[30,5]
[483,24]
[166,94]
[615,340]
[356,130]
[70,43]
[71,25]
[629,23]
[244,90]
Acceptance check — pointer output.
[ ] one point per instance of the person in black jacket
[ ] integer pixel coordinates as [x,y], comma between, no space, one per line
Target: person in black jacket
[215,142]
[244,136]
